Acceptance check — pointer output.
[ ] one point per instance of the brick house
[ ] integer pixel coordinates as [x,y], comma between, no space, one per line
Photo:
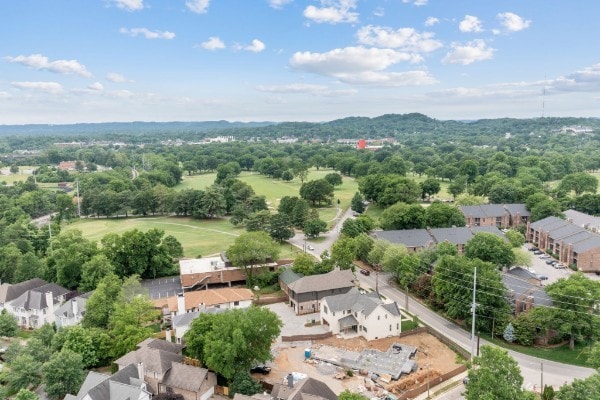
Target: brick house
[499,215]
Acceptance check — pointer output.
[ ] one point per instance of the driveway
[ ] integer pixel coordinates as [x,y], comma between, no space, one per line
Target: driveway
[295,324]
[539,267]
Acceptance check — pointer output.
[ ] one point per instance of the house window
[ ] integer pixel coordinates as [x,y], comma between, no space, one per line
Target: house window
[313,306]
[397,325]
[236,303]
[302,307]
[364,329]
[349,311]
[385,316]
[333,313]
[390,327]
[325,309]
[378,317]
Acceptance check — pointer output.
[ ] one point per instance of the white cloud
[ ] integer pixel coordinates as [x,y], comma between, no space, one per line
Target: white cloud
[198,6]
[213,43]
[512,22]
[96,86]
[278,4]
[40,62]
[4,95]
[116,78]
[407,39]
[256,47]
[470,24]
[585,80]
[360,65]
[379,12]
[417,3]
[332,12]
[431,21]
[305,88]
[476,50]
[47,87]
[130,5]
[148,34]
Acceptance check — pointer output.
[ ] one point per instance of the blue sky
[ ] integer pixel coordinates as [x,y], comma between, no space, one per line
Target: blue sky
[65,61]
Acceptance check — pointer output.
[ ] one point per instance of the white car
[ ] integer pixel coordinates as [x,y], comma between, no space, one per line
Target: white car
[311,248]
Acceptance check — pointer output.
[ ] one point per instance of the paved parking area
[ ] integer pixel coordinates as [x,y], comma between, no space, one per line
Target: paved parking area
[163,287]
[295,324]
[540,267]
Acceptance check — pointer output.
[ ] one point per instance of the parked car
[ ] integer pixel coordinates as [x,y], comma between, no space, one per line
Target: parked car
[538,251]
[311,248]
[365,272]
[260,369]
[543,277]
[533,248]
[550,262]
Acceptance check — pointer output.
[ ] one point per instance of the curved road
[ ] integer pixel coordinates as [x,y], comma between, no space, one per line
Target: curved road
[555,374]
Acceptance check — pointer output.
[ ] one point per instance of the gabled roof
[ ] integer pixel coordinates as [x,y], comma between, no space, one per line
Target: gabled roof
[358,302]
[66,310]
[125,384]
[582,219]
[460,235]
[590,243]
[521,273]
[520,209]
[185,377]
[483,211]
[336,279]
[35,299]
[157,357]
[10,292]
[488,229]
[548,223]
[408,237]
[182,320]
[520,287]
[288,276]
[316,389]
[206,297]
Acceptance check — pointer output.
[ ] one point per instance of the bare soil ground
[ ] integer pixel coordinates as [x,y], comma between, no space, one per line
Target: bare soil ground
[289,357]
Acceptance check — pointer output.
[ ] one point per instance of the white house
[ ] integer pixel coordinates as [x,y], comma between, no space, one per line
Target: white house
[35,307]
[365,314]
[71,312]
[127,383]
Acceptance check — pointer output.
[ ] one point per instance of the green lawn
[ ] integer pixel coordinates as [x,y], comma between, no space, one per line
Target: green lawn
[443,194]
[198,237]
[560,354]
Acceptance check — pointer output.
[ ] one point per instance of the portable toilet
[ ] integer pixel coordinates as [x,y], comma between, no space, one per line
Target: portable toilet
[306,353]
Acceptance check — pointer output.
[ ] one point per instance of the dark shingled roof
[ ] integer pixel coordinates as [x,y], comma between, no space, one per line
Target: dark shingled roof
[288,276]
[521,287]
[10,292]
[548,223]
[125,384]
[157,358]
[358,302]
[35,299]
[312,387]
[336,279]
[520,209]
[185,377]
[453,235]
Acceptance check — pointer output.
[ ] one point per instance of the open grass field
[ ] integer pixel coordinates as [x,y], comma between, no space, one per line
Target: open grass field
[443,194]
[274,189]
[198,237]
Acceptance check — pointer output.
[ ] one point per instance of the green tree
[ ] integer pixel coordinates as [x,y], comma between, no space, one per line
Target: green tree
[403,216]
[14,169]
[25,394]
[343,253]
[357,204]
[251,249]
[594,356]
[300,213]
[495,376]
[280,227]
[304,264]
[457,186]
[317,191]
[63,374]
[30,267]
[546,208]
[212,203]
[314,227]
[258,221]
[440,215]
[579,182]
[235,340]
[580,389]
[80,341]
[24,371]
[101,304]
[243,383]
[515,238]
[93,271]
[334,179]
[375,256]
[70,250]
[491,248]
[429,187]
[8,324]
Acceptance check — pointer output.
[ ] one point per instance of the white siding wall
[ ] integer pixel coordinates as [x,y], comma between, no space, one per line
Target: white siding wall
[378,325]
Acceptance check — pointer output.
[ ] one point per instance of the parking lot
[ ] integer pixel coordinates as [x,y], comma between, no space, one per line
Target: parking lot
[539,267]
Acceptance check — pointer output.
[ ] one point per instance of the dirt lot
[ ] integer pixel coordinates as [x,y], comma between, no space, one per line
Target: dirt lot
[289,357]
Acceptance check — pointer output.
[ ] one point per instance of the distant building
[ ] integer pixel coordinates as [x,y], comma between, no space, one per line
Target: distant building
[71,312]
[524,290]
[128,383]
[36,306]
[586,221]
[499,215]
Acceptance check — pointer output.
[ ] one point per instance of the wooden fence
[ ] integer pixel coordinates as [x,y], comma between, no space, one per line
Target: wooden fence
[302,338]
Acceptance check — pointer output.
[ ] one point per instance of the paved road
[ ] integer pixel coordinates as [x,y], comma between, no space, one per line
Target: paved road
[555,374]
[327,241]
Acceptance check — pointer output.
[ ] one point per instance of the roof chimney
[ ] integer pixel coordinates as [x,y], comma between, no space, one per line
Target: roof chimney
[74,307]
[141,373]
[50,306]
[168,335]
[180,304]
[290,380]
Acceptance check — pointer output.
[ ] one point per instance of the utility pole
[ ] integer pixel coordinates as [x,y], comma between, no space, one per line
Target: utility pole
[427,380]
[542,378]
[473,316]
[78,201]
[406,294]
[50,233]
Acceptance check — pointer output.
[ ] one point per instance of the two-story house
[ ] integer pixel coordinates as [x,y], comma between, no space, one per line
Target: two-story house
[305,294]
[127,383]
[36,307]
[365,314]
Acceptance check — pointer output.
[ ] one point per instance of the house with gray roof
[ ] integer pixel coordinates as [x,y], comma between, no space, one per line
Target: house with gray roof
[498,215]
[125,384]
[522,294]
[9,292]
[164,371]
[305,294]
[365,314]
[35,307]
[71,312]
[571,244]
[413,239]
[181,322]
[286,277]
[305,389]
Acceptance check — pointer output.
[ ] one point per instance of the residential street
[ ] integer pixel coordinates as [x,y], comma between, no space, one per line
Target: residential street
[555,374]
